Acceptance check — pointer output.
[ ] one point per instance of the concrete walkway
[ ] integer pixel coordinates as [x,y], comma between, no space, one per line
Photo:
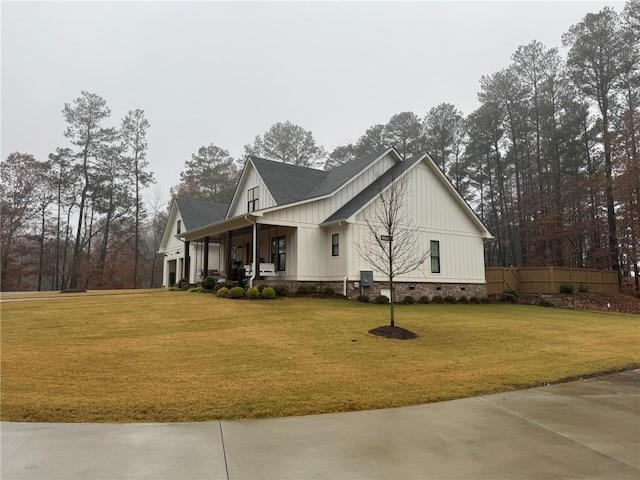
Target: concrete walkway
[580,430]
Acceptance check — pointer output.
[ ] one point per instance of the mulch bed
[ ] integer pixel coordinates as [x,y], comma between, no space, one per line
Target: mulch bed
[398,333]
[603,302]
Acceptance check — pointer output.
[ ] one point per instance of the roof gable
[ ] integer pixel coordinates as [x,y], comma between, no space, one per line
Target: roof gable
[197,213]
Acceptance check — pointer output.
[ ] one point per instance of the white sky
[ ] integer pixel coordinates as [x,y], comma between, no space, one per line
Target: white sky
[222,73]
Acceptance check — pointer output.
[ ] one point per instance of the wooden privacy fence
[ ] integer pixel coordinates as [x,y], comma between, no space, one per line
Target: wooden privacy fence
[547,280]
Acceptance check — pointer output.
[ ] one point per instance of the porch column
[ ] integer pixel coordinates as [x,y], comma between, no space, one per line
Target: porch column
[205,265]
[228,260]
[187,262]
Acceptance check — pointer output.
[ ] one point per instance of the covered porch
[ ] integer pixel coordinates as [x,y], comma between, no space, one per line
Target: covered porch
[262,250]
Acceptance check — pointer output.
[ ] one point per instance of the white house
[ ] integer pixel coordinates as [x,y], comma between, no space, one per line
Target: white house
[183,259]
[300,225]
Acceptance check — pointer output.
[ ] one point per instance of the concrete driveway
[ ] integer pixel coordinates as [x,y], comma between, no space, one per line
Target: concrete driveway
[579,430]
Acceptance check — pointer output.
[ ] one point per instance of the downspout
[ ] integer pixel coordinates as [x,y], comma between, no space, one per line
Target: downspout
[346,260]
[255,250]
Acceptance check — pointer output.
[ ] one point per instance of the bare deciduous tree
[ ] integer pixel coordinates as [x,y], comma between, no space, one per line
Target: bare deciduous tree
[393,245]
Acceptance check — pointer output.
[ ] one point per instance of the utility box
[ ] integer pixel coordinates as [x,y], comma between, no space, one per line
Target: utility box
[366,278]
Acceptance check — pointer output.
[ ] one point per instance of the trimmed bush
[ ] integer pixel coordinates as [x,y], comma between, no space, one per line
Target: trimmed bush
[252,293]
[566,288]
[268,293]
[382,300]
[304,289]
[424,300]
[408,300]
[510,296]
[223,292]
[228,285]
[463,299]
[329,291]
[236,292]
[437,299]
[281,290]
[449,299]
[209,282]
[363,298]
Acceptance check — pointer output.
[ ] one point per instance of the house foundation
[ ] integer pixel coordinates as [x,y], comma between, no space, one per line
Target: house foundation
[402,289]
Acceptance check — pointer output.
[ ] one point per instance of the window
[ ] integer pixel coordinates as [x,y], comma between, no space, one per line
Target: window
[335,245]
[279,253]
[179,227]
[252,199]
[435,256]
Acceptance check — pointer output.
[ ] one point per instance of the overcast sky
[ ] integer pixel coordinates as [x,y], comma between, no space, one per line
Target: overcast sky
[222,73]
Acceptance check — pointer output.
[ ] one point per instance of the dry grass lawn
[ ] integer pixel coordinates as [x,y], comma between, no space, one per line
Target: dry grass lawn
[176,356]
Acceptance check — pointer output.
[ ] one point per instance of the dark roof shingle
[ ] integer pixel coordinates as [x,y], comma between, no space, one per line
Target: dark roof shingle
[198,213]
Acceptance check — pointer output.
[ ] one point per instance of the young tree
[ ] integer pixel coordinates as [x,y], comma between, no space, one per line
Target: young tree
[134,137]
[288,143]
[392,245]
[210,175]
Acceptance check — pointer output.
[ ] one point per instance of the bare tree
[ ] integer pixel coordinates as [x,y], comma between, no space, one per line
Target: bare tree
[393,245]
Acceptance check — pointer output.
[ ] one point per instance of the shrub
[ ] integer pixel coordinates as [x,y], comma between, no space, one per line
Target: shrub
[182,283]
[228,285]
[329,291]
[408,300]
[382,299]
[437,299]
[583,288]
[281,290]
[236,292]
[508,298]
[424,300]
[510,295]
[223,292]
[362,298]
[485,300]
[566,288]
[305,289]
[474,300]
[463,299]
[174,289]
[449,299]
[268,293]
[209,282]
[252,293]
[196,289]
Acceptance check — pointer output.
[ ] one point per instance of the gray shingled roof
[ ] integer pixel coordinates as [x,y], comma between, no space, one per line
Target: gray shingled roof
[361,199]
[198,213]
[290,183]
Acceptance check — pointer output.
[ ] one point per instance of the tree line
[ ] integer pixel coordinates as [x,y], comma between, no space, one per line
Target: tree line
[549,161]
[76,220]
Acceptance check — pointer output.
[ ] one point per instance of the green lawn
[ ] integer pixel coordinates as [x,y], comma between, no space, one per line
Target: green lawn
[177,356]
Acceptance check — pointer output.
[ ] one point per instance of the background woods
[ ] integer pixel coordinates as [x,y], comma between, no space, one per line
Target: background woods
[549,161]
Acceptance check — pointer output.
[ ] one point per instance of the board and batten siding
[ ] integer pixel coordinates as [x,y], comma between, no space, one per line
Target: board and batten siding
[316,212]
[438,215]
[251,179]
